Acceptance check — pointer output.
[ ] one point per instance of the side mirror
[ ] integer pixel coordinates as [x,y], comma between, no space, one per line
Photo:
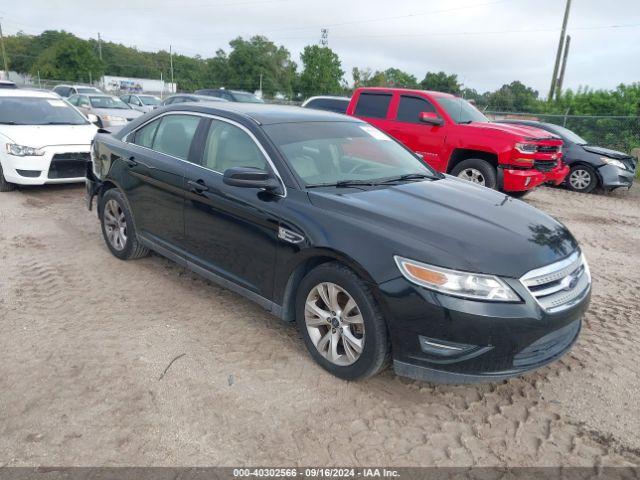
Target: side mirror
[431,118]
[246,177]
[93,119]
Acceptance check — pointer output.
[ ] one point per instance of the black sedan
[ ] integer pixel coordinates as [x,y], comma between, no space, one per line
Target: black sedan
[591,166]
[328,222]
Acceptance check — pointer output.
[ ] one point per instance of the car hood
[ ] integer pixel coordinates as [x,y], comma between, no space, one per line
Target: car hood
[454,224]
[39,136]
[605,152]
[117,112]
[523,131]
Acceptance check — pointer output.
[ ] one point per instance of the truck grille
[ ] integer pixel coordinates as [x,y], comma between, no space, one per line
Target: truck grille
[560,285]
[548,148]
[69,165]
[545,165]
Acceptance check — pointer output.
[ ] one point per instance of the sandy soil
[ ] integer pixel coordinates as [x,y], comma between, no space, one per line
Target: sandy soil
[86,337]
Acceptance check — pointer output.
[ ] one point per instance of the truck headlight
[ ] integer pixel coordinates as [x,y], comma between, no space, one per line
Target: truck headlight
[526,147]
[475,286]
[22,151]
[613,162]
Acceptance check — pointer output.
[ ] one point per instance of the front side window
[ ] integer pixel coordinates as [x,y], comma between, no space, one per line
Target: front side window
[73,100]
[410,108]
[461,111]
[228,146]
[150,100]
[38,111]
[83,101]
[329,104]
[145,136]
[174,135]
[373,105]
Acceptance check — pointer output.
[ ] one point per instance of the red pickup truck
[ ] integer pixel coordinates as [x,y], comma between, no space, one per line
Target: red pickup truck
[454,137]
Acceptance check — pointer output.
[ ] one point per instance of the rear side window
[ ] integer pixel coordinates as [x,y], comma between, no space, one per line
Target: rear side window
[373,105]
[144,137]
[410,108]
[174,135]
[329,104]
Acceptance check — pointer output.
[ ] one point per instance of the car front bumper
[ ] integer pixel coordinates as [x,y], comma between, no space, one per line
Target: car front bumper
[518,180]
[444,339]
[615,177]
[59,164]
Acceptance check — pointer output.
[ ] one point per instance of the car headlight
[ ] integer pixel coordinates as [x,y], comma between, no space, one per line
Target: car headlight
[22,151]
[611,161]
[527,147]
[114,119]
[476,286]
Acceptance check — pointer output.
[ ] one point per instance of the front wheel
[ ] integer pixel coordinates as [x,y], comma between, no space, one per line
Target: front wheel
[118,228]
[478,171]
[582,178]
[341,324]
[4,185]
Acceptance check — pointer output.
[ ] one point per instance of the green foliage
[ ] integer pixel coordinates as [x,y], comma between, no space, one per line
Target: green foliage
[441,82]
[321,71]
[514,97]
[69,58]
[391,77]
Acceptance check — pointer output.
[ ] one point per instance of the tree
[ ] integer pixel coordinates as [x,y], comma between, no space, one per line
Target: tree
[321,72]
[514,97]
[69,58]
[391,77]
[441,82]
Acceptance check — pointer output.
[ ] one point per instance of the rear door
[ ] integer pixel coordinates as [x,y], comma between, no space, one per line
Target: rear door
[231,231]
[156,162]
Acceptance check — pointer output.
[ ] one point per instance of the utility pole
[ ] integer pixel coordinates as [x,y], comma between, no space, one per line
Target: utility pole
[4,53]
[554,79]
[324,37]
[567,43]
[260,84]
[171,64]
[99,46]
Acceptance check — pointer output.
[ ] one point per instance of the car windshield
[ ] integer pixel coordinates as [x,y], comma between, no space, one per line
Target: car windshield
[244,97]
[327,153]
[38,111]
[87,90]
[461,111]
[150,100]
[104,101]
[568,134]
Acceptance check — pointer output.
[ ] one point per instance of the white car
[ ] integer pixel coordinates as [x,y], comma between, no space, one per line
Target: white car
[142,102]
[43,139]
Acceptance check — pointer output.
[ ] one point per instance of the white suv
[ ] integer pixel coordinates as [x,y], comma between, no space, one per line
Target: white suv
[43,139]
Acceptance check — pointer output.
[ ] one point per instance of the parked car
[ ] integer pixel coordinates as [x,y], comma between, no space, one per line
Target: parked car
[454,137]
[7,84]
[330,104]
[373,254]
[43,139]
[230,95]
[591,166]
[112,112]
[66,91]
[142,102]
[190,98]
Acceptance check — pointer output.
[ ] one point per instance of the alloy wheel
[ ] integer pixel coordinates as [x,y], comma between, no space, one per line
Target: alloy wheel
[580,179]
[472,175]
[334,323]
[115,224]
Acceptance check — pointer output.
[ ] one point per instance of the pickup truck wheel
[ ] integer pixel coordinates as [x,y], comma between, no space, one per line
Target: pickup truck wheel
[582,178]
[4,185]
[341,323]
[477,171]
[118,228]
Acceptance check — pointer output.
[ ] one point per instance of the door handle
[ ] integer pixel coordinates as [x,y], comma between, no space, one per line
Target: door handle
[197,186]
[131,161]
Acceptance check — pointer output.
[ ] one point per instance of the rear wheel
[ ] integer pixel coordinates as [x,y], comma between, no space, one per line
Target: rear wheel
[341,323]
[4,185]
[477,171]
[582,178]
[118,228]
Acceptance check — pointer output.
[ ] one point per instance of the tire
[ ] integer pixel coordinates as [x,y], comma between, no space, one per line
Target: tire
[475,168]
[4,185]
[365,326]
[118,228]
[519,194]
[582,178]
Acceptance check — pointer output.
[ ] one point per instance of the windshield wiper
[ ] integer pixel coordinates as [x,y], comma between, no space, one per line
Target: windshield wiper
[344,183]
[409,176]
[59,123]
[9,122]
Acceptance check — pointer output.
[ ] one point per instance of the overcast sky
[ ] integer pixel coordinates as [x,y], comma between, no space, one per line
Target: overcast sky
[486,42]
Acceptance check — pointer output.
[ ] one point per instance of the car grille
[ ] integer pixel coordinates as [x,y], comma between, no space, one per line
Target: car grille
[548,148]
[545,165]
[69,165]
[548,347]
[560,285]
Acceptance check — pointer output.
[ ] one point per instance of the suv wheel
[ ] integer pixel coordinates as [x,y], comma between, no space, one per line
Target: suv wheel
[4,185]
[477,171]
[341,323]
[118,228]
[582,178]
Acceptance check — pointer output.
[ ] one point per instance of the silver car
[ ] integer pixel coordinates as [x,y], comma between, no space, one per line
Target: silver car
[142,102]
[112,113]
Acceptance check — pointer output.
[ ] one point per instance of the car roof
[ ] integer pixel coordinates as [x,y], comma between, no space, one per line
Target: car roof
[19,92]
[264,113]
[328,97]
[408,90]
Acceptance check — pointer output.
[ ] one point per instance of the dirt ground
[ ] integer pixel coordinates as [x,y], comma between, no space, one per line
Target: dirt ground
[85,339]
